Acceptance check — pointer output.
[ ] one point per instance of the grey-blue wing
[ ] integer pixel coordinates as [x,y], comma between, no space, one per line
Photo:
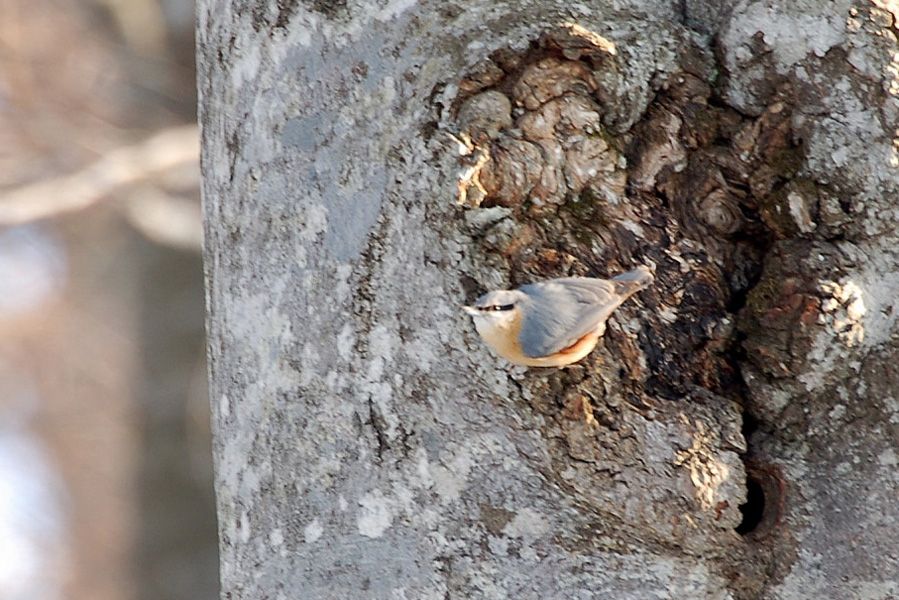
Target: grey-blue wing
[561,311]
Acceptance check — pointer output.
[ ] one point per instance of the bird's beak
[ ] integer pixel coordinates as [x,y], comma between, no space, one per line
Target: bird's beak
[471,310]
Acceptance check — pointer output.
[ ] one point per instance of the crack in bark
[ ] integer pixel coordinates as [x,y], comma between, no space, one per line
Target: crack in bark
[379,425]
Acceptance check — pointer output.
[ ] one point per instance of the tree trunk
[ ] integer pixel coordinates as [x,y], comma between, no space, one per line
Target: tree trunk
[734,434]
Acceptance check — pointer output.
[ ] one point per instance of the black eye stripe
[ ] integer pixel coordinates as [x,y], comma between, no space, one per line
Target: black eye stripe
[496,307]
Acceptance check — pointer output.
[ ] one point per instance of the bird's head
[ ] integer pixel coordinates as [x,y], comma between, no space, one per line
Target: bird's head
[496,309]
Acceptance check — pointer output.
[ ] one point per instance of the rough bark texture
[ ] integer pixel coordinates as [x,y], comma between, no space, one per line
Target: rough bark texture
[368,445]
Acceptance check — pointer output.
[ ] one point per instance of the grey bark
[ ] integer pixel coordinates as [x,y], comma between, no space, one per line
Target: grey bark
[367,445]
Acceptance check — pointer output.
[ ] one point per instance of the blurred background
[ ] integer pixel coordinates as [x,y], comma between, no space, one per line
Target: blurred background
[105,469]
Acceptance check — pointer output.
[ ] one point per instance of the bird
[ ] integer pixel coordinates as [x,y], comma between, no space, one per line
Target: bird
[552,323]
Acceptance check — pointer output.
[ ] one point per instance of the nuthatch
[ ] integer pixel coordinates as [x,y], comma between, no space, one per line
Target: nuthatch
[552,323]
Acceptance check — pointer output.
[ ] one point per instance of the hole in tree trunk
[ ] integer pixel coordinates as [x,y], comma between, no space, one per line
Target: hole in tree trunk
[754,508]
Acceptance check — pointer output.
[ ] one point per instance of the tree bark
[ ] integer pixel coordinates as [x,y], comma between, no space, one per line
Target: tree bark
[733,436]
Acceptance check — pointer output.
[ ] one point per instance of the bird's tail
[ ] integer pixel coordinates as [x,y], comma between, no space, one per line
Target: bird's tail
[632,282]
